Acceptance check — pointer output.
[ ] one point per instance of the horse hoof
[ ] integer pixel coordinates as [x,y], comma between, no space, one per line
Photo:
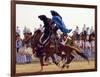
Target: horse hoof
[67,66]
[45,65]
[63,66]
[88,62]
[58,65]
[41,70]
[61,69]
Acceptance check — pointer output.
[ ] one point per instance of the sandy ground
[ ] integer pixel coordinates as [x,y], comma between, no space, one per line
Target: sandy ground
[35,67]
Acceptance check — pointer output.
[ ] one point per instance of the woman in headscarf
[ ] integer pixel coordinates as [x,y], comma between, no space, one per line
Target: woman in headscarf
[57,19]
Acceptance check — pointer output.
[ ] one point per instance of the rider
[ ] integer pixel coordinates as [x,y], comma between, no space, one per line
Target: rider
[45,36]
[57,19]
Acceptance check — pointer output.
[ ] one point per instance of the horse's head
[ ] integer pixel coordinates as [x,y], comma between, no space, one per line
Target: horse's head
[36,37]
[42,17]
[46,20]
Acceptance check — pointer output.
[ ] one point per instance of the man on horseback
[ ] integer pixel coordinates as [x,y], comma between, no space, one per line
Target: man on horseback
[42,43]
[56,20]
[45,36]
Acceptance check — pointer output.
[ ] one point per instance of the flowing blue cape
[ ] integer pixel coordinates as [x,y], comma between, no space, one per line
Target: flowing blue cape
[60,24]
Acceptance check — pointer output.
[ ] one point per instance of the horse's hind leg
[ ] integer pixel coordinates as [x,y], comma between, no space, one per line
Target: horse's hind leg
[69,60]
[46,59]
[65,64]
[83,55]
[54,61]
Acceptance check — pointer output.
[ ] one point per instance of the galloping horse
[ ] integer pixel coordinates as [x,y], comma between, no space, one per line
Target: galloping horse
[50,50]
[47,49]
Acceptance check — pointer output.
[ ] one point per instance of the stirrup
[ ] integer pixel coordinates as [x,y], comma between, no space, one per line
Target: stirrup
[40,45]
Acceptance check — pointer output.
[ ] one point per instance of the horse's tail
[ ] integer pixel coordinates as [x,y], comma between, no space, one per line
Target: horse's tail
[81,54]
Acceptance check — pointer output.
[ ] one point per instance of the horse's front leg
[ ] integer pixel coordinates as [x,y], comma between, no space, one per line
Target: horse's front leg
[41,62]
[46,59]
[54,60]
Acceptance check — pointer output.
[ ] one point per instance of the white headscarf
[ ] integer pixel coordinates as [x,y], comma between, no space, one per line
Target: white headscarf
[17,30]
[26,30]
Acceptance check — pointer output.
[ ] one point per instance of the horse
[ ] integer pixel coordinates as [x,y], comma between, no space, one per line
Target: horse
[71,49]
[68,50]
[47,49]
[50,50]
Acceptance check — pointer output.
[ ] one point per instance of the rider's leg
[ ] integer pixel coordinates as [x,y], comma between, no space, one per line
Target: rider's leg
[60,24]
[65,30]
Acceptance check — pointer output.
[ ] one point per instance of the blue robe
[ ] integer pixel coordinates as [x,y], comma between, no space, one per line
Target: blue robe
[60,24]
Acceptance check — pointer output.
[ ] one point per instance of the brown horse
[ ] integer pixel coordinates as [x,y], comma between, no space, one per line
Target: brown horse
[53,48]
[47,49]
[68,52]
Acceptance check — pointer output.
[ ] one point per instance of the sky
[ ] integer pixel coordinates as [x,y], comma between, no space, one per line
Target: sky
[27,15]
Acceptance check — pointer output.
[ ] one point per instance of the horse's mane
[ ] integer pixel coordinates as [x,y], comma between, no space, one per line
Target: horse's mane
[37,31]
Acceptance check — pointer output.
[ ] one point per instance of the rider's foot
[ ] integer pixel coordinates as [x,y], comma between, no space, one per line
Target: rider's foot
[69,30]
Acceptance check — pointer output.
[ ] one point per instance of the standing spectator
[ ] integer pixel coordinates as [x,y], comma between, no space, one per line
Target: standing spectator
[29,53]
[93,46]
[18,30]
[27,35]
[77,30]
[27,43]
[91,30]
[18,42]
[77,33]
[25,30]
[88,33]
[81,43]
[84,34]
[87,48]
[92,41]
[84,29]
[19,58]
